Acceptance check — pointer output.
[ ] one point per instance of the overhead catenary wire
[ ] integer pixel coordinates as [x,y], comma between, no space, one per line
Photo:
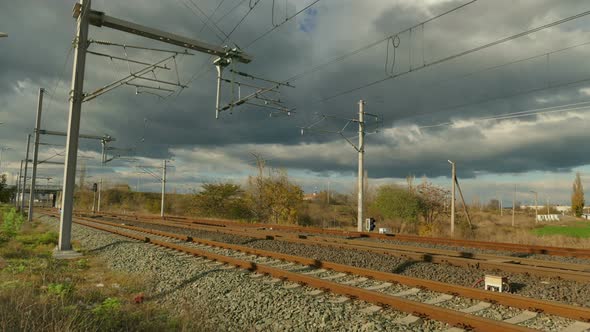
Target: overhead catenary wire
[275,26]
[454,56]
[585,105]
[373,44]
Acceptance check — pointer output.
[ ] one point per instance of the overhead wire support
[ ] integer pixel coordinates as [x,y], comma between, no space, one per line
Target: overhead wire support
[360,148]
[125,59]
[107,43]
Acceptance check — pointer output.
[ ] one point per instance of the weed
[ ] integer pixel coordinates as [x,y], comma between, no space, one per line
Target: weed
[60,290]
[11,223]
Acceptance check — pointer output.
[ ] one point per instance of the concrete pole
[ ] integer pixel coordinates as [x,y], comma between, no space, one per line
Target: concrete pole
[93,202]
[454,179]
[35,154]
[547,203]
[18,186]
[501,207]
[24,187]
[361,166]
[536,208]
[103,161]
[513,205]
[99,192]
[163,187]
[218,98]
[76,99]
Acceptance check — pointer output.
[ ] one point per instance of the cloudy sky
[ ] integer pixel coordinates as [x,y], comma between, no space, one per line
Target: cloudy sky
[468,109]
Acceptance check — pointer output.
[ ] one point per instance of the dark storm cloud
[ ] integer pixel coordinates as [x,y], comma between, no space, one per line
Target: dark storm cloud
[35,53]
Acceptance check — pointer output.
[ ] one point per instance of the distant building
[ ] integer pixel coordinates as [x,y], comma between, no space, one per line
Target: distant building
[310,197]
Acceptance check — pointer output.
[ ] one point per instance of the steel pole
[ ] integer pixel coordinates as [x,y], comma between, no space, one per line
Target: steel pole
[24,188]
[76,98]
[454,177]
[163,187]
[361,166]
[35,154]
[18,186]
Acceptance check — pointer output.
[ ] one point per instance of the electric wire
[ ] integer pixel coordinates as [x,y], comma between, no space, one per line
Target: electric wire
[519,93]
[280,24]
[539,111]
[208,18]
[454,56]
[373,44]
[185,3]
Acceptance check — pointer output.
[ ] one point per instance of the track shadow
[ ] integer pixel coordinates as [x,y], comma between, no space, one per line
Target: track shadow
[114,244]
[183,284]
[253,241]
[516,286]
[403,266]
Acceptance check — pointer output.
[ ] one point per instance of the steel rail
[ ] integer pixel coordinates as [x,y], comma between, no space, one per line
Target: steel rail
[549,307]
[531,249]
[565,271]
[452,317]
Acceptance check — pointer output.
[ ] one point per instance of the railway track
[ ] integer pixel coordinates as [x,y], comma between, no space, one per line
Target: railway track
[419,298]
[541,268]
[512,247]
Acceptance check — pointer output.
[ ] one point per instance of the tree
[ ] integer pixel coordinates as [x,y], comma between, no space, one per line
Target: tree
[5,193]
[434,201]
[272,197]
[394,202]
[578,196]
[225,200]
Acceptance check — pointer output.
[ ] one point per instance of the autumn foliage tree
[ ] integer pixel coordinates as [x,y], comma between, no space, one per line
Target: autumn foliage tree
[272,197]
[578,196]
[223,200]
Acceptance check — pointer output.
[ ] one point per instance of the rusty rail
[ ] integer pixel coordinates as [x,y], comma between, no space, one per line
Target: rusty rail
[566,271]
[531,249]
[454,318]
[549,307]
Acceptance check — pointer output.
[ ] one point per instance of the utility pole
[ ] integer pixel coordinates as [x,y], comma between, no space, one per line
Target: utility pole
[64,247]
[513,205]
[501,206]
[35,153]
[18,186]
[24,188]
[547,203]
[84,15]
[361,165]
[536,207]
[163,187]
[453,179]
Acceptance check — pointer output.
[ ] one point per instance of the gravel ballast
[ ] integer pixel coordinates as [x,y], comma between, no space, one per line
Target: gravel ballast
[565,291]
[235,301]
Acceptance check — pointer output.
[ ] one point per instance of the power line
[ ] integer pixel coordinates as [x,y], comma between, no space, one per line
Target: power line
[520,93]
[278,25]
[208,18]
[373,44]
[454,56]
[553,109]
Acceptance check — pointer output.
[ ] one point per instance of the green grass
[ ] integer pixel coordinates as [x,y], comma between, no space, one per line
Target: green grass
[577,229]
[39,293]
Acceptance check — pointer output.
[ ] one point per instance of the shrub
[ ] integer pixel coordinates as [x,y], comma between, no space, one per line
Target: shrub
[11,223]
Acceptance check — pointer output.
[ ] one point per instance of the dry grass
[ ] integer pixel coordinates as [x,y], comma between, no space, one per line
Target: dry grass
[38,293]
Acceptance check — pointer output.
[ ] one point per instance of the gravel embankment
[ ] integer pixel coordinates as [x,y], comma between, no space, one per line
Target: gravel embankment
[565,291]
[236,301]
